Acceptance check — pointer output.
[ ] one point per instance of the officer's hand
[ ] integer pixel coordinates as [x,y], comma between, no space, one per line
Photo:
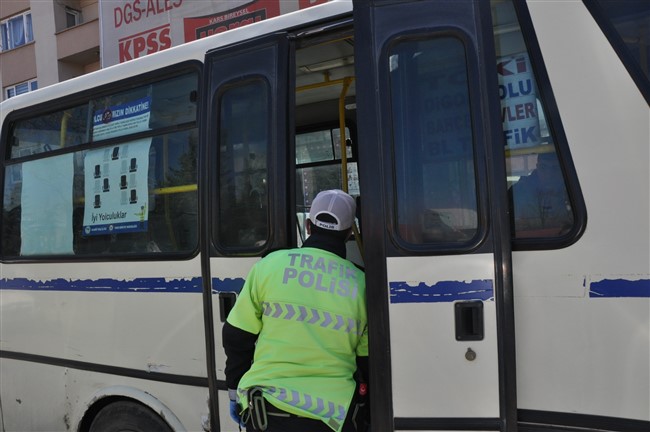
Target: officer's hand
[234,413]
[234,408]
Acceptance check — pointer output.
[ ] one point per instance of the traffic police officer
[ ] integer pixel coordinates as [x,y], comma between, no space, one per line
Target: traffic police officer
[298,331]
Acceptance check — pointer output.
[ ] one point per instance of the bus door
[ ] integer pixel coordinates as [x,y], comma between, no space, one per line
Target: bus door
[435,217]
[245,166]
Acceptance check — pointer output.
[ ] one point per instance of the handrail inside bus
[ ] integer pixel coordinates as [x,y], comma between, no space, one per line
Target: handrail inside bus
[542,148]
[345,82]
[175,189]
[64,128]
[160,191]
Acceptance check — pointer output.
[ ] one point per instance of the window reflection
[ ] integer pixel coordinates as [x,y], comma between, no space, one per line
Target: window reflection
[243,166]
[539,202]
[433,142]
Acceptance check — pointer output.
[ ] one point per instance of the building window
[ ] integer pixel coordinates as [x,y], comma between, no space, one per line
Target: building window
[73,17]
[16,31]
[21,88]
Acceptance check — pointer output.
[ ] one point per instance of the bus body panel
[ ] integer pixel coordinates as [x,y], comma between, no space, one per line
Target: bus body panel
[75,332]
[579,337]
[41,324]
[423,340]
[229,275]
[52,300]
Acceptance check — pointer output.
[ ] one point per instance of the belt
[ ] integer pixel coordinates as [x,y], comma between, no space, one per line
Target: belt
[272,410]
[259,409]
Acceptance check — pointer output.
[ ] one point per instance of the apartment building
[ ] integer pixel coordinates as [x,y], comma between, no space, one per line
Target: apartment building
[46,41]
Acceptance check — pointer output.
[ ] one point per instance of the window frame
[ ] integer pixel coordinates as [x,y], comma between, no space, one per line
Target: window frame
[28,34]
[215,183]
[32,85]
[399,246]
[75,14]
[556,131]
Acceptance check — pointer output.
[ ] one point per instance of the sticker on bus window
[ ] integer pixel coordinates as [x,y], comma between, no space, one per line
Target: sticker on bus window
[118,201]
[46,199]
[517,91]
[119,120]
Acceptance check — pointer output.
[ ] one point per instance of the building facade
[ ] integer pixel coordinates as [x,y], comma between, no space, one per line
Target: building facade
[45,42]
[48,41]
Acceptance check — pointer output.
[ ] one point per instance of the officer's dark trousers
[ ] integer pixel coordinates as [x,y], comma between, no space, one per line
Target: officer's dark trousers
[278,421]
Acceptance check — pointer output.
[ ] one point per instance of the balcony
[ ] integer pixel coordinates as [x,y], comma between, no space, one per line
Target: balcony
[18,64]
[79,44]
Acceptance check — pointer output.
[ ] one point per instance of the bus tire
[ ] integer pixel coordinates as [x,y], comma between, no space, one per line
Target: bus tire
[128,416]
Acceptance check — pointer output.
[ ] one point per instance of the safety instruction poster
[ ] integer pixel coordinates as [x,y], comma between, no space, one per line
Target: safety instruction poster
[119,120]
[117,190]
[116,177]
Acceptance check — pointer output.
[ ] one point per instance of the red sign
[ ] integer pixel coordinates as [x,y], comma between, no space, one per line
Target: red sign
[147,42]
[200,27]
[304,4]
[133,11]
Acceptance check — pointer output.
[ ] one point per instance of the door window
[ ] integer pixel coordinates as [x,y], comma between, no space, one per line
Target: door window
[242,217]
[435,192]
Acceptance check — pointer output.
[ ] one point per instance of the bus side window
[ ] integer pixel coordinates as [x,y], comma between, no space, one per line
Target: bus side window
[539,202]
[242,218]
[318,167]
[130,197]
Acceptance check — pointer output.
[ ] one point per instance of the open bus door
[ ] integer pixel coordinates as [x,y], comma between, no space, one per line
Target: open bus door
[246,169]
[438,259]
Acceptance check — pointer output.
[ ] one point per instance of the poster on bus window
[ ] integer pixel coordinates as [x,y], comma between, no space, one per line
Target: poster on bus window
[116,177]
[117,189]
[517,91]
[118,120]
[46,199]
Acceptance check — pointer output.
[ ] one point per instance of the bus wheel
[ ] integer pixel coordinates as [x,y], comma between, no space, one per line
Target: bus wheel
[126,416]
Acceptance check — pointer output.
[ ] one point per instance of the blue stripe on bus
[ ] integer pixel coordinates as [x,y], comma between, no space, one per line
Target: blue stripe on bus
[400,292]
[443,291]
[190,285]
[620,288]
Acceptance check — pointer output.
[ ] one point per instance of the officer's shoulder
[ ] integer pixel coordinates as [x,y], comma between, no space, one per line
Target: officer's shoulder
[274,251]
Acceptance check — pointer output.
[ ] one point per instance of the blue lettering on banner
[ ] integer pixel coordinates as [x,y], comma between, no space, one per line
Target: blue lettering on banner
[116,228]
[440,292]
[526,135]
[521,126]
[121,112]
[516,89]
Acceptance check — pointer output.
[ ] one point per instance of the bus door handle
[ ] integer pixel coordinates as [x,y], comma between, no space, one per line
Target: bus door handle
[226,303]
[469,320]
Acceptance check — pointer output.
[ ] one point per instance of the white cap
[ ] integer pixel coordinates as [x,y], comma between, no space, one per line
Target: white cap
[337,204]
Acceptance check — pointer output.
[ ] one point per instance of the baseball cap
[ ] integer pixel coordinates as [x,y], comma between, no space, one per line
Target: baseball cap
[337,204]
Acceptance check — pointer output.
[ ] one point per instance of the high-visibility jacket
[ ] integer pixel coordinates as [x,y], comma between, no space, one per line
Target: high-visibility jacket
[308,307]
